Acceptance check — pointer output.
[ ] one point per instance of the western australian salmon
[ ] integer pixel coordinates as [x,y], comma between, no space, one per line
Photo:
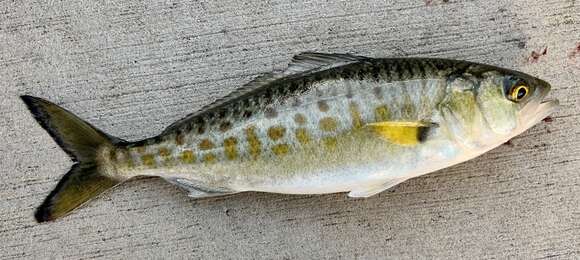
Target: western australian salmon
[328,123]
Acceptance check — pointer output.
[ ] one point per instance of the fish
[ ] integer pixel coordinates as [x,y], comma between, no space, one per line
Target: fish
[328,123]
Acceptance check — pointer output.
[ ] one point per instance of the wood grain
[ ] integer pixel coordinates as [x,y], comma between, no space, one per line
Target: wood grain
[133,67]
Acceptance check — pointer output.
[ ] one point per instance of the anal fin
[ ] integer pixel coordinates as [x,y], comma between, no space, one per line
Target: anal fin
[366,192]
[198,190]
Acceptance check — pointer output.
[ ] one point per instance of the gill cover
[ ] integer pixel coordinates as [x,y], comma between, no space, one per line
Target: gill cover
[499,112]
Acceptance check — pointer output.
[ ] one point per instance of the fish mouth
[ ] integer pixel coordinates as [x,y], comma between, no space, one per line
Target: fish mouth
[535,114]
[546,106]
[551,102]
[542,110]
[538,109]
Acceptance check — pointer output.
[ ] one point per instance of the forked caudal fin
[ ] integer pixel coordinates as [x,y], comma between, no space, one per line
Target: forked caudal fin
[89,176]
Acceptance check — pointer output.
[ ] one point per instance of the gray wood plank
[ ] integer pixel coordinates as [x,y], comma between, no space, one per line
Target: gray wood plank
[133,67]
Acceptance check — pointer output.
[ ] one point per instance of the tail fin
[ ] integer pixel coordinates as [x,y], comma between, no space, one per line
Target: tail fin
[82,142]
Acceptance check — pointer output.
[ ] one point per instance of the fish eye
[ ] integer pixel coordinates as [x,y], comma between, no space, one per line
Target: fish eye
[519,92]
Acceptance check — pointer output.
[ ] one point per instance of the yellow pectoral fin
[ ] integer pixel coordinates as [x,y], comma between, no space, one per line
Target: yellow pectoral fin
[401,133]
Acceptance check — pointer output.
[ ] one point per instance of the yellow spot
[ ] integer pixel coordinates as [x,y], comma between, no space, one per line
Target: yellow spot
[165,154]
[187,156]
[302,136]
[206,144]
[328,124]
[329,142]
[209,158]
[140,149]
[276,132]
[300,119]
[280,149]
[148,160]
[382,113]
[254,142]
[355,114]
[230,148]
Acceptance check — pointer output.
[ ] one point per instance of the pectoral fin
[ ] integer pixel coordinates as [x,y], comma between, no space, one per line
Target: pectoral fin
[402,133]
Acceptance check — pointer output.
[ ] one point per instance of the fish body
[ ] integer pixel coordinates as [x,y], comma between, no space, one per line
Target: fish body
[328,123]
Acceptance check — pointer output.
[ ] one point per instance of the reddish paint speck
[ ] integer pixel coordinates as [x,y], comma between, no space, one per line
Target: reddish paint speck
[575,52]
[548,119]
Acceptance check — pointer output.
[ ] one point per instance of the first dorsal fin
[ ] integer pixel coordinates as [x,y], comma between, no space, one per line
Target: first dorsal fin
[315,61]
[306,62]
[303,63]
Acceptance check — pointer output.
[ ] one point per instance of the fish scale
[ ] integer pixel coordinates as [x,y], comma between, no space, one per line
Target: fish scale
[334,92]
[328,123]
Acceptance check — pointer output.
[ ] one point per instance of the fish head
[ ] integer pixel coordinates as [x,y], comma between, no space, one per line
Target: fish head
[487,106]
[511,102]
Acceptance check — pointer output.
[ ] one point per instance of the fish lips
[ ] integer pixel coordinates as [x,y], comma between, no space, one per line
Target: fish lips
[538,109]
[550,105]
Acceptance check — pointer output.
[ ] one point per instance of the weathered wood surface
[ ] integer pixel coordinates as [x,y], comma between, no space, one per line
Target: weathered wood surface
[133,67]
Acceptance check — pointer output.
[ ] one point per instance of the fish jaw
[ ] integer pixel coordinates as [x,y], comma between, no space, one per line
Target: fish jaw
[542,110]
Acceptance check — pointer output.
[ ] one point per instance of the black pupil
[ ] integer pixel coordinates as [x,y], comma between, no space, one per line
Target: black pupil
[522,93]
